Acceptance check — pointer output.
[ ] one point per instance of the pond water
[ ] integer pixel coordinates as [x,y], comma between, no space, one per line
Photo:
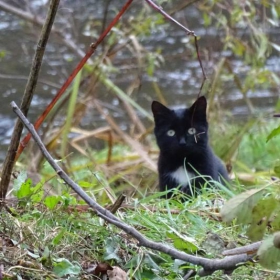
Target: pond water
[179,77]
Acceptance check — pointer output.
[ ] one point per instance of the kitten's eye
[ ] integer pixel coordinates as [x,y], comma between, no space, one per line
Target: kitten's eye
[192,131]
[171,132]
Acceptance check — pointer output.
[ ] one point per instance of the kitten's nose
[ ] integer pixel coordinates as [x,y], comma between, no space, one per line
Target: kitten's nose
[182,141]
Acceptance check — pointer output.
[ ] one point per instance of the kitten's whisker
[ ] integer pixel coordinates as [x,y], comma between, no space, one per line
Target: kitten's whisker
[195,139]
[200,133]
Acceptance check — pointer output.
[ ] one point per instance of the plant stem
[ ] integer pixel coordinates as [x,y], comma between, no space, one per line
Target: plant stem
[27,97]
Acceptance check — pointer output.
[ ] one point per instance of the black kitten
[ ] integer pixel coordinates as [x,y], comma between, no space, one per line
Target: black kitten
[182,137]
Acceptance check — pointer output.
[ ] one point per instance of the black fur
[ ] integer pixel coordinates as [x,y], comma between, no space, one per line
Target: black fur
[190,151]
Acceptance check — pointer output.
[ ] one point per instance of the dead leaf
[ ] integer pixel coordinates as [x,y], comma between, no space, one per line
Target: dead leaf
[117,274]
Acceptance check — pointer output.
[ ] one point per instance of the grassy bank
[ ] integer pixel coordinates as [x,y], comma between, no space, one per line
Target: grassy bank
[49,233]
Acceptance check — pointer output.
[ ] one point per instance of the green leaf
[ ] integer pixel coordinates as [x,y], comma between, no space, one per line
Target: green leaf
[25,189]
[261,214]
[63,267]
[37,197]
[269,255]
[58,237]
[46,259]
[51,201]
[85,184]
[276,222]
[275,132]
[241,206]
[182,242]
[111,250]
[21,178]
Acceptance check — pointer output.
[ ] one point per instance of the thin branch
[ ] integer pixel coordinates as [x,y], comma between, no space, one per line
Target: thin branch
[27,97]
[167,16]
[209,265]
[25,78]
[40,22]
[189,32]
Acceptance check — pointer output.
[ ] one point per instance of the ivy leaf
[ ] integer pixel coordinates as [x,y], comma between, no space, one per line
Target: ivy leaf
[63,267]
[111,250]
[275,132]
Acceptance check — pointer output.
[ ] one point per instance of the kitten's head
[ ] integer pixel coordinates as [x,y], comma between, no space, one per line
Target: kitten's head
[181,130]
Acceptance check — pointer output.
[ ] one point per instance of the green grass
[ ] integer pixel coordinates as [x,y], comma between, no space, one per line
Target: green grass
[56,238]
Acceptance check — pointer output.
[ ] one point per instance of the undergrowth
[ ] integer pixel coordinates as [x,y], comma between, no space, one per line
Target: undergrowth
[50,234]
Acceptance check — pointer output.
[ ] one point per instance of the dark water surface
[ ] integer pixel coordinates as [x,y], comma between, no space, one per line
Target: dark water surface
[179,77]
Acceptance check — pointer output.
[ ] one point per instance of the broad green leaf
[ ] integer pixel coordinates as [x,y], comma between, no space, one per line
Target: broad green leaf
[241,206]
[111,250]
[37,197]
[51,201]
[25,189]
[260,215]
[275,132]
[151,262]
[63,267]
[269,255]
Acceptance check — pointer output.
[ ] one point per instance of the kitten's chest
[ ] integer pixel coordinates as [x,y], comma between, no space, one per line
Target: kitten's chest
[182,176]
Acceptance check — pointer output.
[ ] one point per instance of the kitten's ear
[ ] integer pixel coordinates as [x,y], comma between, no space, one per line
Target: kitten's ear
[199,107]
[159,109]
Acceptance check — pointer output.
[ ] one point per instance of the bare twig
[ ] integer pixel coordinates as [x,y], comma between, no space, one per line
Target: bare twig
[40,22]
[25,78]
[27,97]
[189,32]
[160,9]
[209,266]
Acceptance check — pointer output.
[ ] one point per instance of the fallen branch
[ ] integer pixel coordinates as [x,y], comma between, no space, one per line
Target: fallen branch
[208,265]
